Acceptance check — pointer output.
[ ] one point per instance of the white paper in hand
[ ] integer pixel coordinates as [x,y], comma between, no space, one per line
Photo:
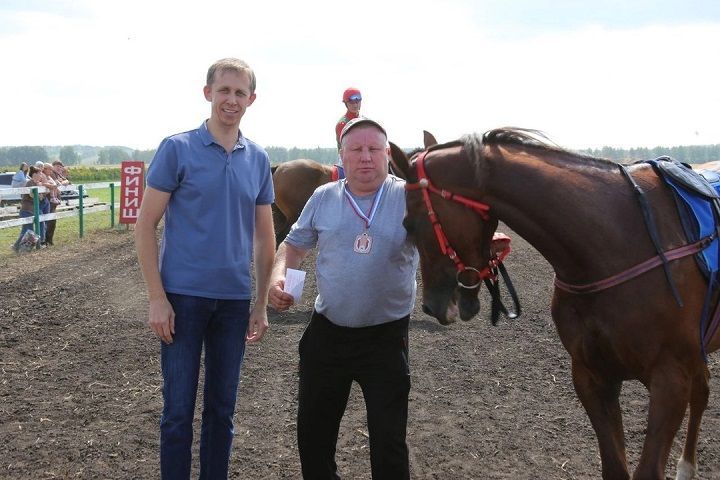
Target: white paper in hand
[294,283]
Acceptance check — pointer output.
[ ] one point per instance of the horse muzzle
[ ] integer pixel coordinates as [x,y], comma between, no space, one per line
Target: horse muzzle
[442,306]
[468,305]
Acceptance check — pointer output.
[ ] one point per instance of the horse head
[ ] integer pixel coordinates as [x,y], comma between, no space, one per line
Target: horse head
[450,227]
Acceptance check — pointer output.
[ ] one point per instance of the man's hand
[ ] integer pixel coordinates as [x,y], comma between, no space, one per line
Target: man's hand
[279,299]
[257,325]
[162,319]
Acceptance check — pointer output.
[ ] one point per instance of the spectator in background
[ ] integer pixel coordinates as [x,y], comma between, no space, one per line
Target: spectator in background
[45,201]
[27,207]
[352,99]
[54,201]
[61,173]
[21,176]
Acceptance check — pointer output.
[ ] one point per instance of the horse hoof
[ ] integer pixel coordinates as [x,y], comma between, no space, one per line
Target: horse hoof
[685,470]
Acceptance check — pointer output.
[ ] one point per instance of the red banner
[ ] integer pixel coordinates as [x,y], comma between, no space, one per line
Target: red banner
[132,183]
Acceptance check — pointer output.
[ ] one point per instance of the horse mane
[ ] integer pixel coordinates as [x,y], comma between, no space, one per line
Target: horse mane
[529,139]
[518,136]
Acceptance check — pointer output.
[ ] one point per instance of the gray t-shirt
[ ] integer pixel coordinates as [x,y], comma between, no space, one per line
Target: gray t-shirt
[359,289]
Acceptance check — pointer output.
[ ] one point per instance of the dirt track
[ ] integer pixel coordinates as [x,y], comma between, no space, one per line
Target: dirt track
[80,384]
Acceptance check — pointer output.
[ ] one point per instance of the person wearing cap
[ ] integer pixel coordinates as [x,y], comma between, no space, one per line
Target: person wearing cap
[358,331]
[352,100]
[213,186]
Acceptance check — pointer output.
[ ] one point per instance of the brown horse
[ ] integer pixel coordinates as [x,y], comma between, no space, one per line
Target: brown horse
[295,181]
[581,214]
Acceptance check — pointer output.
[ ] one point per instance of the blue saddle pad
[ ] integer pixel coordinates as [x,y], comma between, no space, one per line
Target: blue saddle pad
[697,211]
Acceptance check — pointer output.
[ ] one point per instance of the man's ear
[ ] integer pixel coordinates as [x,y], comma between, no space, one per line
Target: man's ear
[251,99]
[207,90]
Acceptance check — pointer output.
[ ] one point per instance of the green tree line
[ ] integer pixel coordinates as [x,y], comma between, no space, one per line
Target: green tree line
[686,154]
[14,156]
[282,154]
[11,157]
[83,174]
[117,155]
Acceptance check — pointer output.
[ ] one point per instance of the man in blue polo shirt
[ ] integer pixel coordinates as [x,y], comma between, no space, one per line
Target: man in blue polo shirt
[214,188]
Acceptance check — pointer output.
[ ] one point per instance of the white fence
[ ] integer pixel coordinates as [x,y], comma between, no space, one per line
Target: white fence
[78,212]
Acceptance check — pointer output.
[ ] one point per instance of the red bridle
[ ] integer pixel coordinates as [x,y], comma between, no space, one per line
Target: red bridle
[425,185]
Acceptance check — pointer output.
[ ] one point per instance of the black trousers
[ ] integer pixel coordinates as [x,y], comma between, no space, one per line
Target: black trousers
[50,226]
[331,358]
[50,231]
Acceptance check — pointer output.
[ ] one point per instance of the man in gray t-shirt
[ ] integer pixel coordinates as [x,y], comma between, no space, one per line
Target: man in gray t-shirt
[366,268]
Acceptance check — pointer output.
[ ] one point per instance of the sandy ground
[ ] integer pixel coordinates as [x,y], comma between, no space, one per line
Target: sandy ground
[80,383]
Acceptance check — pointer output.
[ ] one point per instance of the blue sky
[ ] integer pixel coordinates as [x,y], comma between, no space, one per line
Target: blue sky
[618,73]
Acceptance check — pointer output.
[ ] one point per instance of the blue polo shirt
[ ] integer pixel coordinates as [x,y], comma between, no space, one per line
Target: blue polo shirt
[207,241]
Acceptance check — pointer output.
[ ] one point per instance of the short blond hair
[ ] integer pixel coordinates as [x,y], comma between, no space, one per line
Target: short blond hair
[232,65]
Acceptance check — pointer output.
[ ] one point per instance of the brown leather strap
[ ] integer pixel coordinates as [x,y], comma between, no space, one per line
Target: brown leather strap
[651,227]
[635,271]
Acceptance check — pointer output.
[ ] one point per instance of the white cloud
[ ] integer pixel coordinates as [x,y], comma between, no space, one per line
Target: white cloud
[131,72]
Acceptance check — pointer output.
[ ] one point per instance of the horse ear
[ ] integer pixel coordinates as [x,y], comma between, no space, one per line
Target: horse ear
[429,139]
[398,161]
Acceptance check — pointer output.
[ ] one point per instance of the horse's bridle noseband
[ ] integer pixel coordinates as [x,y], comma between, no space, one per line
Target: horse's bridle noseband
[426,187]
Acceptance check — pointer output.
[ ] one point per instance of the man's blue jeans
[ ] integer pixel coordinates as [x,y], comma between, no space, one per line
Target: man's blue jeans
[221,326]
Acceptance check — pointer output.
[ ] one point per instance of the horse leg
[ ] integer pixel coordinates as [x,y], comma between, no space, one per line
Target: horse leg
[699,394]
[669,396]
[600,398]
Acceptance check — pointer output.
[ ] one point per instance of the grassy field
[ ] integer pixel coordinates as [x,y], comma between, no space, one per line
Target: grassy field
[68,229]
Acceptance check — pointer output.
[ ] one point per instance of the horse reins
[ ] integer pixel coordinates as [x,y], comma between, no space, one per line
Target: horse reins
[489,273]
[426,187]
